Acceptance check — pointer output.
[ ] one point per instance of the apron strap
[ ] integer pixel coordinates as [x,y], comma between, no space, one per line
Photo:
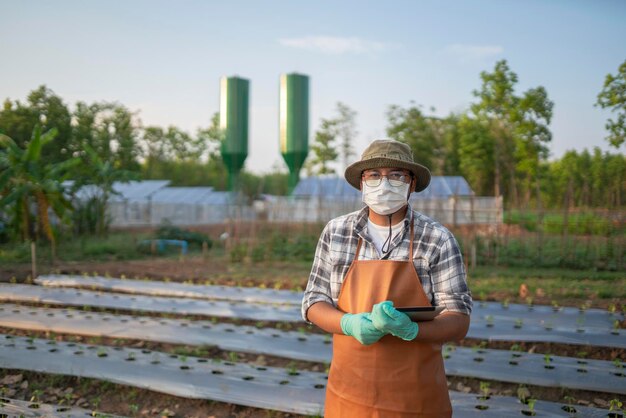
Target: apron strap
[358,248]
[411,239]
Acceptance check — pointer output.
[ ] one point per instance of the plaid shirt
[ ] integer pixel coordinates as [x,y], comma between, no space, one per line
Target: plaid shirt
[437,259]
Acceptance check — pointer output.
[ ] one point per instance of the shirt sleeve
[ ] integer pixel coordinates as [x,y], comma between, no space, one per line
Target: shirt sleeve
[318,286]
[449,278]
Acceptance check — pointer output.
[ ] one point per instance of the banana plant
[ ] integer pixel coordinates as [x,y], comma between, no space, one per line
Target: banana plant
[102,174]
[30,187]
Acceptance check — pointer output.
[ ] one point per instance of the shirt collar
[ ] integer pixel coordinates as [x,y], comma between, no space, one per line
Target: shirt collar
[361,224]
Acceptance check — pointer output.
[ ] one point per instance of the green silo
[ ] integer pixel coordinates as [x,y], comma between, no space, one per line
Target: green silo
[294,123]
[234,101]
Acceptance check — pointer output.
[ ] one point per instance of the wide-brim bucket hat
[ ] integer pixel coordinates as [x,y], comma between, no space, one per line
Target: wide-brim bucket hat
[388,153]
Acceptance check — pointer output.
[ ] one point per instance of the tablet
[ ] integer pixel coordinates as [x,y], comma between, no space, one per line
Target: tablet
[421,313]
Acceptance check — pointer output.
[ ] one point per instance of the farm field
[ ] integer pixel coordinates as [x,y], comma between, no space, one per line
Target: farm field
[498,293]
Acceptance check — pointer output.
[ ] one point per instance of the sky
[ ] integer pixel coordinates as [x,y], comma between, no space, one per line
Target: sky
[164,59]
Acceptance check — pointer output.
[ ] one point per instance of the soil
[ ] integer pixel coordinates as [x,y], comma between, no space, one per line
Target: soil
[128,401]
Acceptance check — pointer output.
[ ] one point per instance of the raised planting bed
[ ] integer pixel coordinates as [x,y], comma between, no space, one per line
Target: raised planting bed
[18,408]
[281,389]
[173,289]
[506,366]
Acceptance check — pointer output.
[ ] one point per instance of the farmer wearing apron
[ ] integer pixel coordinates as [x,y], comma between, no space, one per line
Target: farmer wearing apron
[369,262]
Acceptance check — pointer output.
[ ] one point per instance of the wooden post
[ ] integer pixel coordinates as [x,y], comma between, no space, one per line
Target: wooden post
[473,253]
[33,259]
[205,251]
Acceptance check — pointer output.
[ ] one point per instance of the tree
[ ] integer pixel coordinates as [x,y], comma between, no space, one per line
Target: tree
[44,108]
[532,117]
[476,154]
[27,181]
[496,109]
[98,179]
[433,140]
[613,96]
[110,130]
[518,129]
[323,149]
[415,129]
[346,132]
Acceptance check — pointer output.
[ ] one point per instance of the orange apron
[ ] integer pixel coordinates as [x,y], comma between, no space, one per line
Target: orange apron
[392,377]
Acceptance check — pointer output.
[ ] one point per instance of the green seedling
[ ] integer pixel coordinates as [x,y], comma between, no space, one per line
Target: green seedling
[518,323]
[555,305]
[615,405]
[484,388]
[505,303]
[615,327]
[580,323]
[547,359]
[531,405]
[233,357]
[292,370]
[523,393]
[489,319]
[36,394]
[569,408]
[529,301]
[134,408]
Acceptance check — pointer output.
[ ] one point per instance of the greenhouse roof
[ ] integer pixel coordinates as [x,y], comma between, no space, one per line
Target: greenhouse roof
[131,191]
[137,190]
[182,194]
[446,186]
[440,186]
[325,186]
[156,191]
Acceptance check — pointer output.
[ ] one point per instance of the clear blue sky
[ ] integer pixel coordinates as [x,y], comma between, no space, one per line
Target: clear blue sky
[164,59]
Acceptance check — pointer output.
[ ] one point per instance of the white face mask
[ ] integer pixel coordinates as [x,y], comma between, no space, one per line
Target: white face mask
[385,199]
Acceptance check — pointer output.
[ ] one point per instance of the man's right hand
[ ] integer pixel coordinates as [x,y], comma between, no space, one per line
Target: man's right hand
[360,326]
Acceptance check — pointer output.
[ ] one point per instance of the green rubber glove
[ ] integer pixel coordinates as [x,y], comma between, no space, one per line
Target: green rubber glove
[360,327]
[388,319]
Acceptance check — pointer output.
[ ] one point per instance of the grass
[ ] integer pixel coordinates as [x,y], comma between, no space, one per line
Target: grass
[290,270]
[546,284]
[112,247]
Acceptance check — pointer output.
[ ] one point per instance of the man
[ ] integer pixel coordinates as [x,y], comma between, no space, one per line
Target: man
[367,263]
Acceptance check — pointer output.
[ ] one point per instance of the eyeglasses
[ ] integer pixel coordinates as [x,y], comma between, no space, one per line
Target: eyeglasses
[395,179]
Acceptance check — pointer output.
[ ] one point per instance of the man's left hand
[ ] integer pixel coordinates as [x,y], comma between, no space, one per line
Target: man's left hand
[388,319]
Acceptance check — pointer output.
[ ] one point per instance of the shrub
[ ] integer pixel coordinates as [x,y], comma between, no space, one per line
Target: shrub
[169,231]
